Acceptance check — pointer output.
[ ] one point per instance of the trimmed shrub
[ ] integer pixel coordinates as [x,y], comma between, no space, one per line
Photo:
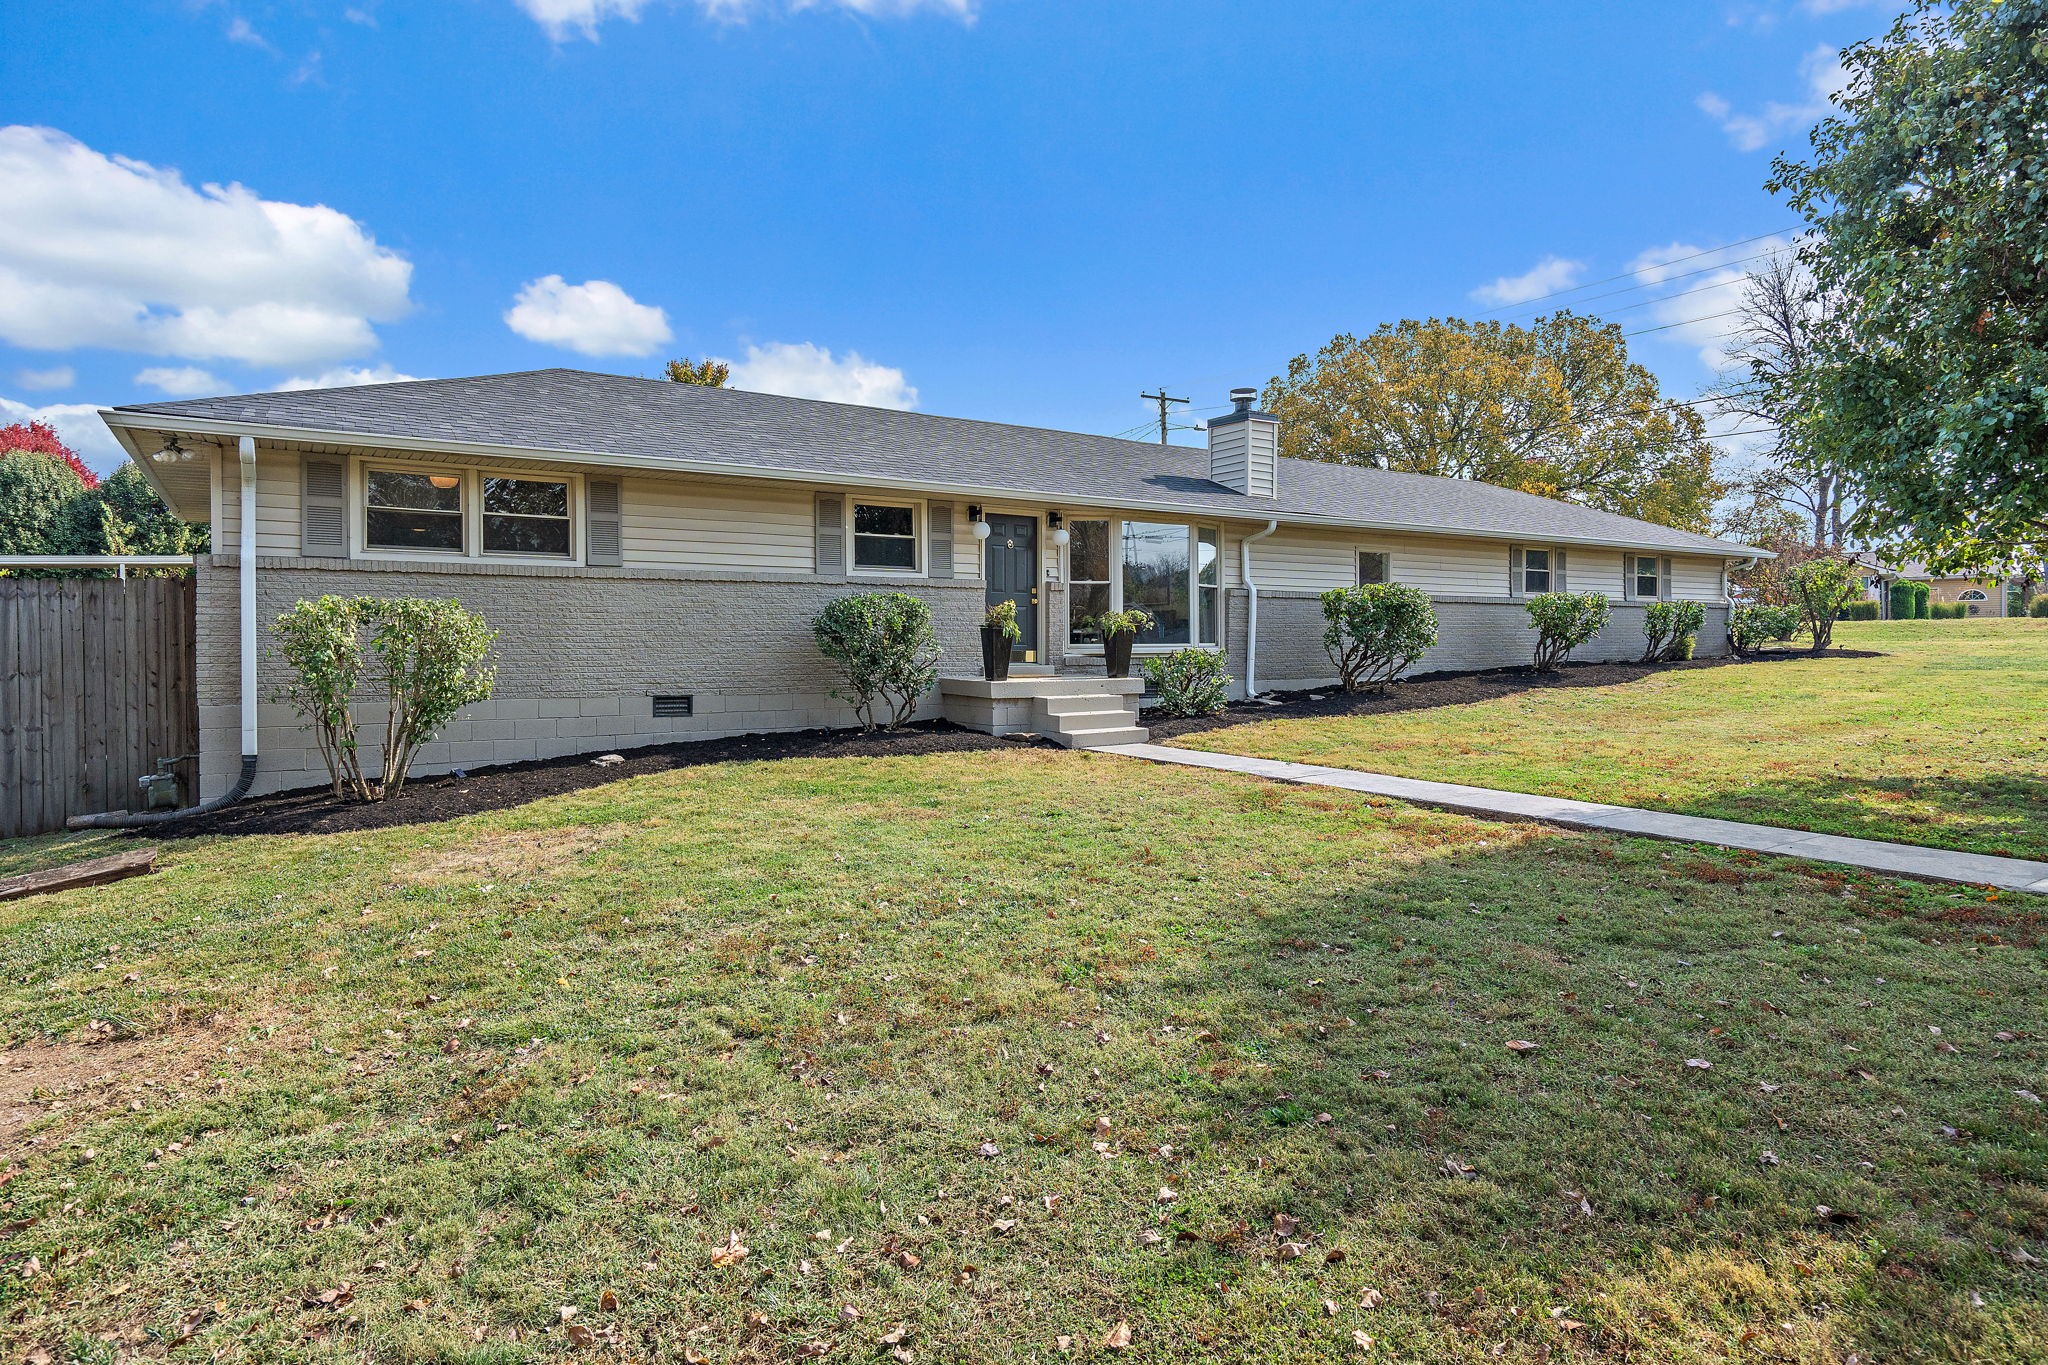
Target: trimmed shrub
[1376,631]
[1751,628]
[1860,611]
[1563,621]
[1190,682]
[1949,611]
[1670,630]
[1902,601]
[2039,606]
[1921,596]
[885,648]
[429,654]
[1821,588]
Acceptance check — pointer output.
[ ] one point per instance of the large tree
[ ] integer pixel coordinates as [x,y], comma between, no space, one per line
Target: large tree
[706,373]
[1928,196]
[1554,408]
[51,504]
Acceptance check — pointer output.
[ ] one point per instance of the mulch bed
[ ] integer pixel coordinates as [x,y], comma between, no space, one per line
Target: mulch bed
[427,799]
[1451,689]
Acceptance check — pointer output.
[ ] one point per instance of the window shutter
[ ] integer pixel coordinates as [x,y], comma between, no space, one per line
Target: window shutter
[1557,570]
[1664,579]
[1516,582]
[831,534]
[323,507]
[603,538]
[938,525]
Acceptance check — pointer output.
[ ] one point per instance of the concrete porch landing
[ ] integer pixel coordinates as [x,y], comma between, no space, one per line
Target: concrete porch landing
[1080,713]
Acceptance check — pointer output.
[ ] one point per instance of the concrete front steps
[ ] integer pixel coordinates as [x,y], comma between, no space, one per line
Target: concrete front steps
[1079,713]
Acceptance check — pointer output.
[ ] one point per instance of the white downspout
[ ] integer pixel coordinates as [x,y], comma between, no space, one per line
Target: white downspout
[247,567]
[1251,611]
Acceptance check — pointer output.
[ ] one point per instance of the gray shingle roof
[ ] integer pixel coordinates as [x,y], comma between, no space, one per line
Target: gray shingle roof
[576,411]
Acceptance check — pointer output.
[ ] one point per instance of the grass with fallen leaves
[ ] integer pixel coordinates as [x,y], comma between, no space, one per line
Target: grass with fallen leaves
[1016,1056]
[1943,741]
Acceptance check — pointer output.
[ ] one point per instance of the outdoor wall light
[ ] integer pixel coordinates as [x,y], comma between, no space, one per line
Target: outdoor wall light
[1060,534]
[974,519]
[172,453]
[444,481]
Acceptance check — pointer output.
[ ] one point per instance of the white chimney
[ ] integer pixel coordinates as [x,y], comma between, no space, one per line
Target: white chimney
[1244,447]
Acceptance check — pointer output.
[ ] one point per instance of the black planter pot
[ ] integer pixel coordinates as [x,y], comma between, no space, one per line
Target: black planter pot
[1116,654]
[995,654]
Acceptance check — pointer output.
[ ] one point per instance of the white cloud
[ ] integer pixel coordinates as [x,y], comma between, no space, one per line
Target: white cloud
[345,377]
[593,318]
[181,381]
[56,377]
[564,19]
[1547,276]
[241,31]
[100,250]
[78,424]
[1821,70]
[804,370]
[1709,283]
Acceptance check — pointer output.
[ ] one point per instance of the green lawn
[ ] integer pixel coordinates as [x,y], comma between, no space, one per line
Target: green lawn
[402,1096]
[1942,741]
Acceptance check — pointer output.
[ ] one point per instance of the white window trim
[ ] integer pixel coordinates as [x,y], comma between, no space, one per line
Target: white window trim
[1518,569]
[472,514]
[1966,595]
[920,544]
[1632,590]
[1116,582]
[1357,550]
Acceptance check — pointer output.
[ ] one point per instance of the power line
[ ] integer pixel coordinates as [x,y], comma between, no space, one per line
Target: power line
[1684,322]
[1630,274]
[1163,399]
[1673,279]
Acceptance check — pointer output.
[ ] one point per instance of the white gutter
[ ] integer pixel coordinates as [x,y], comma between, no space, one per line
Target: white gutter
[666,464]
[1251,612]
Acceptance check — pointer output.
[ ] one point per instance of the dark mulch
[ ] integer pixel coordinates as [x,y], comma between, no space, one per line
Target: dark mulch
[428,799]
[1452,689]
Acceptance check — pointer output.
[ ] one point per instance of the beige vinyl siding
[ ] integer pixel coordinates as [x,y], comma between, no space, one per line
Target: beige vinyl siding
[677,524]
[1696,579]
[1314,561]
[277,502]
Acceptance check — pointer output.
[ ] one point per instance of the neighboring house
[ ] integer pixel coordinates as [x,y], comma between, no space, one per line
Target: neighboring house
[1983,594]
[652,554]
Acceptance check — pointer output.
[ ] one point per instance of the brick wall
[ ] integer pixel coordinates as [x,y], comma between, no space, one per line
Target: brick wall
[579,653]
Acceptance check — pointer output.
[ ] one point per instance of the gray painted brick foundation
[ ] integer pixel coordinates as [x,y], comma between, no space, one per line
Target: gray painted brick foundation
[580,653]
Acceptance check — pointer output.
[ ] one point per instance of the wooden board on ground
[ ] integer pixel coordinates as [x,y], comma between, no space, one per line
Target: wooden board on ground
[93,871]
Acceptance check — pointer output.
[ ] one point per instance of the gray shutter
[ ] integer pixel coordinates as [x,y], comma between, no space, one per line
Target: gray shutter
[938,525]
[1664,579]
[1557,582]
[323,507]
[831,511]
[1515,579]
[602,534]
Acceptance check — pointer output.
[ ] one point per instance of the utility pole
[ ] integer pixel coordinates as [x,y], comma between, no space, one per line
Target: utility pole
[1162,399]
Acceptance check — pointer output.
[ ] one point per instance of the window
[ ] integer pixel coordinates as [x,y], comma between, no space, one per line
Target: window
[411,511]
[1535,572]
[1972,595]
[1374,566]
[885,537]
[1087,580]
[1172,571]
[1646,573]
[1156,579]
[526,517]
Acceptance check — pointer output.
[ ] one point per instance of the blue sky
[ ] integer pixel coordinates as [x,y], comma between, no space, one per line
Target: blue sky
[1022,210]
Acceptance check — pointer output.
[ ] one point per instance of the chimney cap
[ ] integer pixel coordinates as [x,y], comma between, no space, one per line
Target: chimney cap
[1244,398]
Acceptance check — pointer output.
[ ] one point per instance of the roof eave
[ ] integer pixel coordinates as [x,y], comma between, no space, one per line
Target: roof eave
[123,420]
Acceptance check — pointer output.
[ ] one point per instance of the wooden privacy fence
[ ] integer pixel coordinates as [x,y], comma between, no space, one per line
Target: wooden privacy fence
[97,683]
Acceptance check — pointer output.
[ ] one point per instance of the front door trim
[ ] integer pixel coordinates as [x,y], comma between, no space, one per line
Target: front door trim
[1037,520]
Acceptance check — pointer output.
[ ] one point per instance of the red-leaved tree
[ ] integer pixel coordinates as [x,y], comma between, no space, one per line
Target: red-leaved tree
[41,438]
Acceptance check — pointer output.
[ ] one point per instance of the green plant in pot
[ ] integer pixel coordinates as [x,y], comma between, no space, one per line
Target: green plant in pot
[999,631]
[1119,630]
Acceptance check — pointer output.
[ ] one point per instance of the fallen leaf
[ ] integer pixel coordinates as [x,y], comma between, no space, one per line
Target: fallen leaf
[1329,1308]
[1119,1338]
[1361,1341]
[1290,1250]
[608,1302]
[1167,1194]
[1003,1225]
[848,1315]
[1522,1045]
[1699,1064]
[579,1335]
[1284,1224]
[1372,1298]
[896,1335]
[732,1253]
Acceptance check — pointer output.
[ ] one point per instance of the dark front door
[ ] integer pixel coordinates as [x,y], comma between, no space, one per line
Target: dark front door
[1012,549]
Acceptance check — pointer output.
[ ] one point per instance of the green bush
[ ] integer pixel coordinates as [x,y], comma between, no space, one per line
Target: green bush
[1751,628]
[1860,611]
[884,645]
[1949,611]
[1921,595]
[1376,631]
[1670,629]
[2039,606]
[1821,588]
[1902,601]
[35,490]
[1190,682]
[1564,621]
[429,653]
[1002,619]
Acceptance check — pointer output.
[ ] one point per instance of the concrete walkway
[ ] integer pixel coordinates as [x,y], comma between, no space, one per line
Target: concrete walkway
[1908,860]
